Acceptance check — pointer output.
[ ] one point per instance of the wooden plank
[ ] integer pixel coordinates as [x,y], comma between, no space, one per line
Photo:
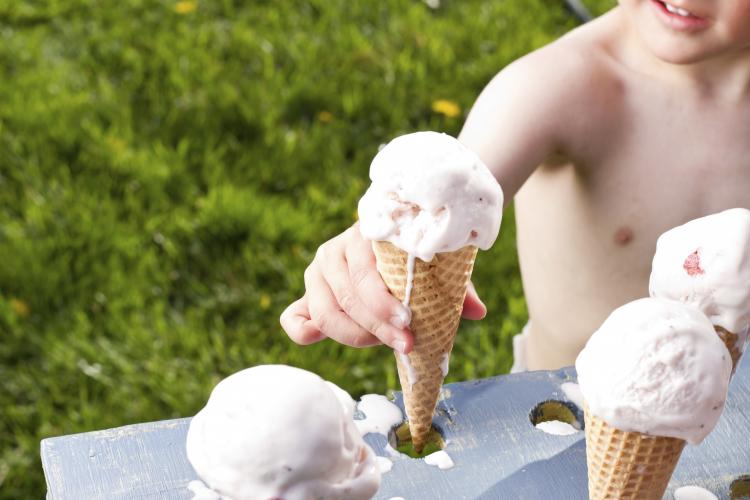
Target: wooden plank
[496,450]
[135,461]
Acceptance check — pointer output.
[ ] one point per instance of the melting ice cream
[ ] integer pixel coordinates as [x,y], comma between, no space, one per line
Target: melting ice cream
[430,194]
[440,459]
[280,432]
[657,367]
[380,415]
[706,263]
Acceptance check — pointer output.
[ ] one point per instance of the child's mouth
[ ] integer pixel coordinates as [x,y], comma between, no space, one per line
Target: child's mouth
[677,10]
[679,18]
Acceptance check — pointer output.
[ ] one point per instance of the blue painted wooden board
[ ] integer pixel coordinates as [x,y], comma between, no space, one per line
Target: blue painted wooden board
[497,451]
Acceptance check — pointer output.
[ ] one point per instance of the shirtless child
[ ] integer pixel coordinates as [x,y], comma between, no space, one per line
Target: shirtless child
[627,126]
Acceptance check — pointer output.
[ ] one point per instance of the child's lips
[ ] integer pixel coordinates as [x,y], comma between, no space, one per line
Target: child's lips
[679,18]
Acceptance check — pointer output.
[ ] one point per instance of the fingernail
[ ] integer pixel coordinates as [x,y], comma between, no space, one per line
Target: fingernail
[402,318]
[400,346]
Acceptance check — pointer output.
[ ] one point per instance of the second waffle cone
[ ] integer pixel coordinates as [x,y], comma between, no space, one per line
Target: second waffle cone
[731,340]
[628,465]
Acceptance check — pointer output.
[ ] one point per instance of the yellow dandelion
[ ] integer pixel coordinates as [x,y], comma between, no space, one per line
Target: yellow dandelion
[325,116]
[116,144]
[265,301]
[184,7]
[20,307]
[445,107]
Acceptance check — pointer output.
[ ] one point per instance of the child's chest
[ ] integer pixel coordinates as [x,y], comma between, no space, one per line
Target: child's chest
[694,157]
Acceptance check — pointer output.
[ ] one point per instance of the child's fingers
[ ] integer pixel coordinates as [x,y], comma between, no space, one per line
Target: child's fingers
[326,314]
[359,308]
[369,285]
[473,306]
[295,320]
[388,317]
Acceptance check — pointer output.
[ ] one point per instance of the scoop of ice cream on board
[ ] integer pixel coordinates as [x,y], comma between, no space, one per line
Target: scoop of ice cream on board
[653,377]
[431,204]
[275,431]
[706,263]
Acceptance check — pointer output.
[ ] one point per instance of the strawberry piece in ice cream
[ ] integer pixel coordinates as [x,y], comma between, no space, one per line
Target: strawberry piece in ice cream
[692,264]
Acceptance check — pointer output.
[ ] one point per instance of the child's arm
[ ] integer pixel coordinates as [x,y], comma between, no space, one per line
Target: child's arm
[520,120]
[530,113]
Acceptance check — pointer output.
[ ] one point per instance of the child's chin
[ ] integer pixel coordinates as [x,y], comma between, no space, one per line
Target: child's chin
[676,51]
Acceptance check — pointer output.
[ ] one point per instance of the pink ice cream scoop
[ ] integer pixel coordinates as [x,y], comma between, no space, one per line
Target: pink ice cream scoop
[274,431]
[656,366]
[430,194]
[706,263]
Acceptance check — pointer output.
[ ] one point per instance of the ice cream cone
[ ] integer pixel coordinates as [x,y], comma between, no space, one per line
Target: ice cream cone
[732,341]
[628,465]
[436,301]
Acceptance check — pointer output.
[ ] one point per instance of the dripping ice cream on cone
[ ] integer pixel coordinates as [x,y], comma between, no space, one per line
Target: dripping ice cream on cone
[432,203]
[706,263]
[430,194]
[282,433]
[653,377]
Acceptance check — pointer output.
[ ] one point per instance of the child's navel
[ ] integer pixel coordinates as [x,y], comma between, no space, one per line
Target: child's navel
[623,236]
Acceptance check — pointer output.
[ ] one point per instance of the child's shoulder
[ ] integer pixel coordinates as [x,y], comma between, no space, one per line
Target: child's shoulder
[580,62]
[565,89]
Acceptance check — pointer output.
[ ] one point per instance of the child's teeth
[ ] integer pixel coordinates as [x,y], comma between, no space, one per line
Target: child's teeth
[677,10]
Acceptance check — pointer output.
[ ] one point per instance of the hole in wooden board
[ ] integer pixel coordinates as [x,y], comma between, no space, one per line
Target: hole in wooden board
[557,417]
[740,488]
[400,439]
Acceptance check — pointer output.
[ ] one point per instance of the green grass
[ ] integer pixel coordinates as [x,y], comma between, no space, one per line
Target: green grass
[167,170]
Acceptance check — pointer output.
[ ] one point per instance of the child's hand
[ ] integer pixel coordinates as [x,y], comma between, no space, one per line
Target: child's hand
[346,299]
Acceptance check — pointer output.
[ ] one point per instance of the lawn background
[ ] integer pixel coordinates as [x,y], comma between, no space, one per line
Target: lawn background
[167,170]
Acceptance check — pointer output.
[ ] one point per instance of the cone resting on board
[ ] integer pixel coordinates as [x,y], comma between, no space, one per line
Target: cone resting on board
[436,301]
[653,377]
[431,204]
[628,465]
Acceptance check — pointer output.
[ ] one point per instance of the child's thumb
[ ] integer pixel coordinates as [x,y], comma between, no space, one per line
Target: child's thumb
[474,308]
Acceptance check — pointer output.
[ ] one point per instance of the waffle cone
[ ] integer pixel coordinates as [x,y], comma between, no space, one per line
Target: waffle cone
[436,302]
[732,341]
[628,465]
